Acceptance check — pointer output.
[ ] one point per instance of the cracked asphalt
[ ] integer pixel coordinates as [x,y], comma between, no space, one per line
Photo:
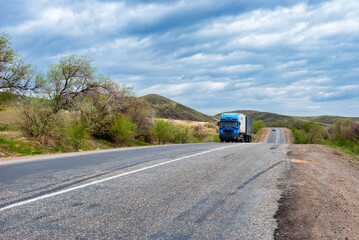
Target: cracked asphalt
[191,191]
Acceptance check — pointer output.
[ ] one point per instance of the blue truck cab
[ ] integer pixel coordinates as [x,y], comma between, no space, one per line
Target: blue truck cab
[235,127]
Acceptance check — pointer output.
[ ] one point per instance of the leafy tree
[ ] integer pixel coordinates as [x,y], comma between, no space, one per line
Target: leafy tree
[15,75]
[141,114]
[71,77]
[98,108]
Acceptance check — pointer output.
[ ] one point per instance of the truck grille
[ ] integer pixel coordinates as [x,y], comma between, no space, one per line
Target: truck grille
[228,131]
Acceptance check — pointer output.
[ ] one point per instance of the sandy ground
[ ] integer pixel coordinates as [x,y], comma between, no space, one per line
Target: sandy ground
[321,195]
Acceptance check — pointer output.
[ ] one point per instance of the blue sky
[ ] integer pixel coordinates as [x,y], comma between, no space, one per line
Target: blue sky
[289,57]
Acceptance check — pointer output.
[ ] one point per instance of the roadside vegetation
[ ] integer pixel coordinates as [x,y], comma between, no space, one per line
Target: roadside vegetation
[74,108]
[343,134]
[71,107]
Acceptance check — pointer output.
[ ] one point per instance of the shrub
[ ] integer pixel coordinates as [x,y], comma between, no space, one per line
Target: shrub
[199,133]
[211,125]
[39,121]
[75,134]
[181,135]
[161,129]
[4,127]
[309,133]
[122,130]
[257,125]
[345,133]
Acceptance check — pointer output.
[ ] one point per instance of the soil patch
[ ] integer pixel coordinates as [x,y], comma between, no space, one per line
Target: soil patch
[263,134]
[321,195]
[288,136]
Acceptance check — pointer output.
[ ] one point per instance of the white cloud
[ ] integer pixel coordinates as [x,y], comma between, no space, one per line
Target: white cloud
[271,56]
[193,87]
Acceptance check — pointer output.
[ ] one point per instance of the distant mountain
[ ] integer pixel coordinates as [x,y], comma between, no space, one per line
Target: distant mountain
[167,108]
[267,117]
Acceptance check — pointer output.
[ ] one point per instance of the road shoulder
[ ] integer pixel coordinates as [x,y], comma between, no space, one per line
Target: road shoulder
[320,197]
[263,135]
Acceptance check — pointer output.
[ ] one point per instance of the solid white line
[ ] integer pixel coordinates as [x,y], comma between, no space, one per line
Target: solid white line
[104,180]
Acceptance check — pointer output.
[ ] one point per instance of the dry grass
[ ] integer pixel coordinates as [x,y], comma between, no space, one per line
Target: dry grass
[9,116]
[207,126]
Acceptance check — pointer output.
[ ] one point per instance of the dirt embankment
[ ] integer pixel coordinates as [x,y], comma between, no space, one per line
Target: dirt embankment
[263,134]
[321,195]
[288,136]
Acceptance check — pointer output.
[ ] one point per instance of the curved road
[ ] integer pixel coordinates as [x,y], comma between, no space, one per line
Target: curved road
[192,191]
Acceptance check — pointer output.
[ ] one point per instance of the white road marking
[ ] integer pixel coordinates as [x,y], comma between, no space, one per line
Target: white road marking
[105,179]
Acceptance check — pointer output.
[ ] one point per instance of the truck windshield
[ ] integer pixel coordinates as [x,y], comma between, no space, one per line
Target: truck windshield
[228,124]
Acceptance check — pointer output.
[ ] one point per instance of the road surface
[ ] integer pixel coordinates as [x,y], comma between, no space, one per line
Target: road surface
[276,135]
[192,191]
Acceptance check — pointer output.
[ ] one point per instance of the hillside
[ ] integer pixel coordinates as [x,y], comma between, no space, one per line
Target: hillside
[327,119]
[267,117]
[166,108]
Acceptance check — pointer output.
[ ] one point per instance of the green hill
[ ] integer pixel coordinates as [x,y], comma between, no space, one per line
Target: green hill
[166,108]
[327,119]
[268,118]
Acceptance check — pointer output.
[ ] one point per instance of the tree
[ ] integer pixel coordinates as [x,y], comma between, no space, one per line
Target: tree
[71,77]
[15,75]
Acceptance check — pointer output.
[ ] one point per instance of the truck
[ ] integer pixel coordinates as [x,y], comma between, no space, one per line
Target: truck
[235,127]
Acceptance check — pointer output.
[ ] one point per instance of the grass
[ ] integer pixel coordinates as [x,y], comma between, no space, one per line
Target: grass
[4,127]
[8,115]
[12,146]
[352,150]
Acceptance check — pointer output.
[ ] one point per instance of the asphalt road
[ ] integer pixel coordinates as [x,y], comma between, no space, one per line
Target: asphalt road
[192,191]
[276,135]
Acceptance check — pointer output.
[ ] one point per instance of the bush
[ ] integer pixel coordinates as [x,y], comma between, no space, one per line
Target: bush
[257,125]
[39,121]
[161,129]
[181,135]
[75,134]
[345,134]
[199,133]
[122,130]
[4,127]
[309,133]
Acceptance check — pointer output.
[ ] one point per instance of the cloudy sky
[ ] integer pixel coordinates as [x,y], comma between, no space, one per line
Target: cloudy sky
[285,56]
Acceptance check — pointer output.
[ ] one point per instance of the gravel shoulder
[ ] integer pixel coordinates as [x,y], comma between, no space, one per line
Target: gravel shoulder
[320,197]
